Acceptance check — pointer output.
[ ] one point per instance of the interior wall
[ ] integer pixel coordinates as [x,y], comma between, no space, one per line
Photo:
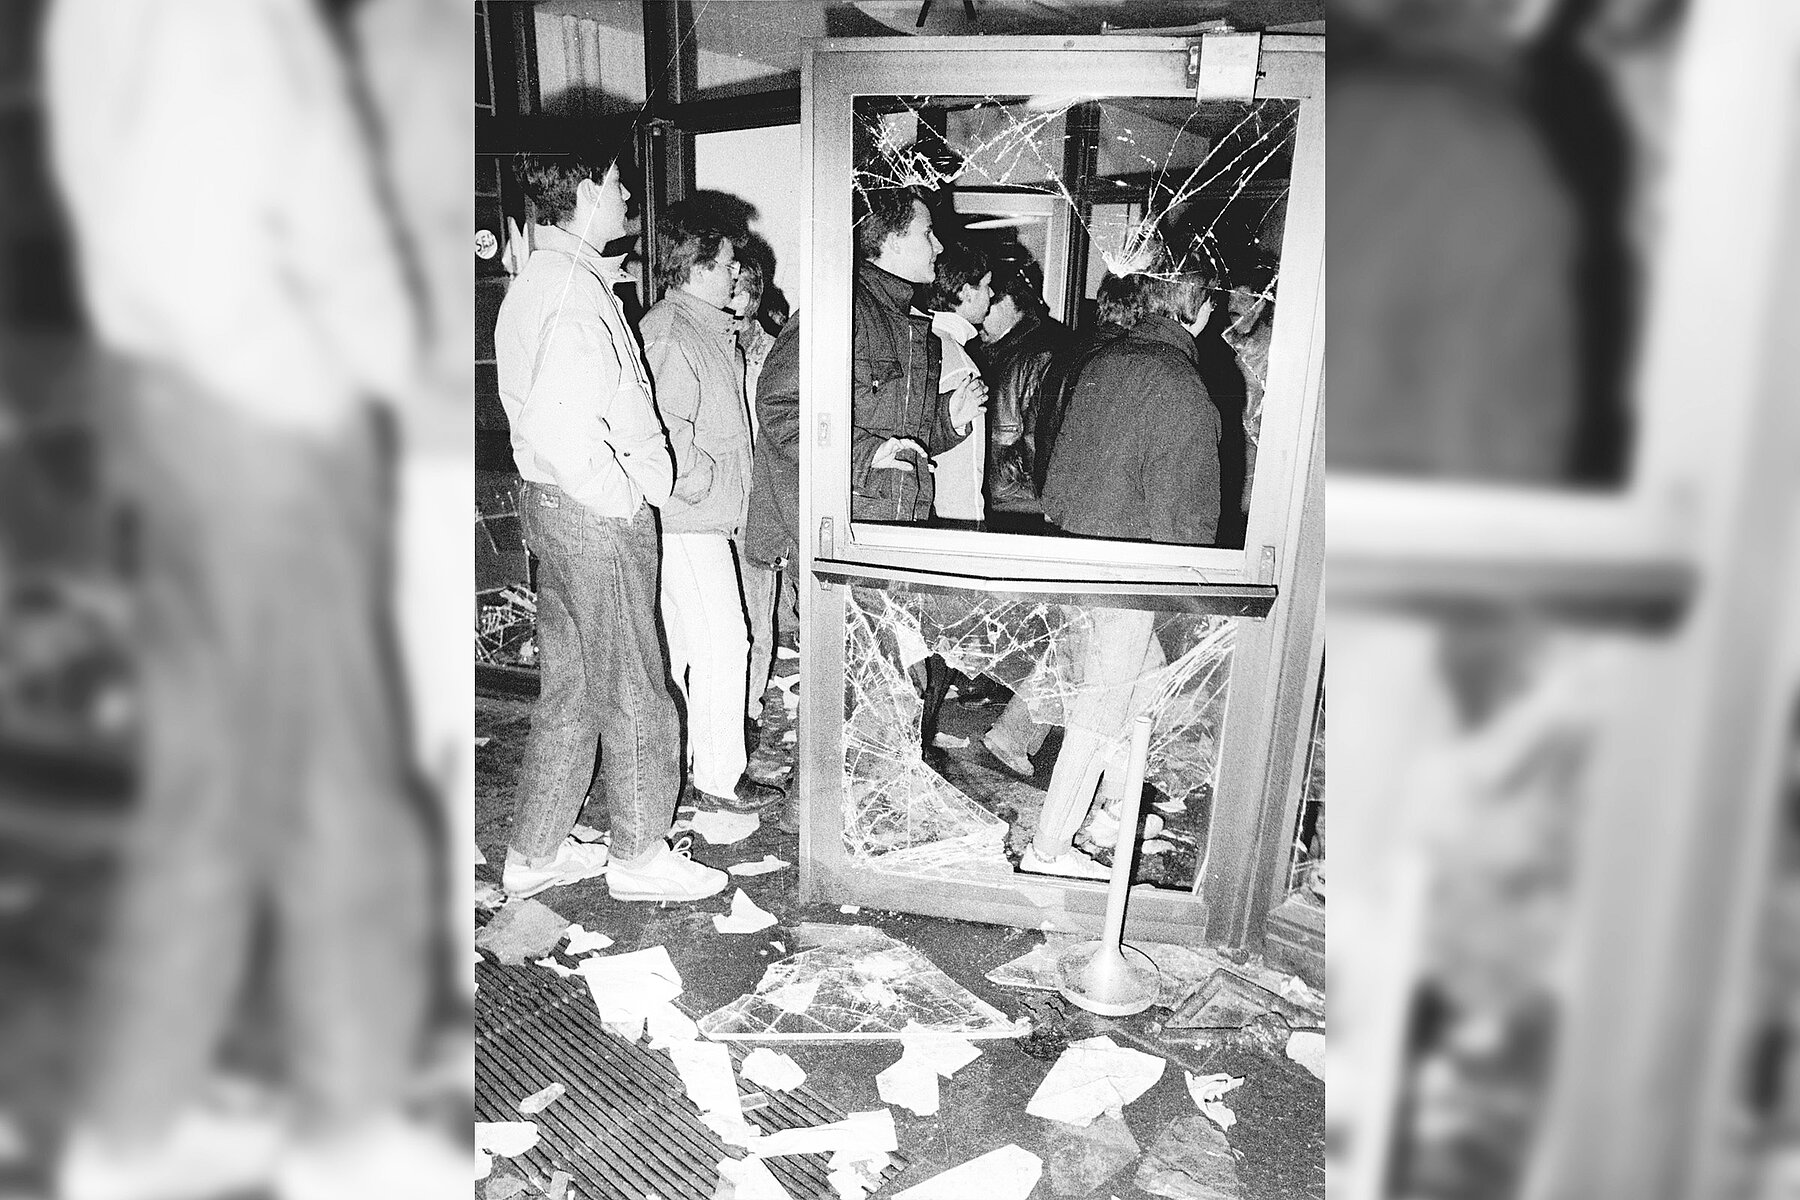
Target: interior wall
[761,166]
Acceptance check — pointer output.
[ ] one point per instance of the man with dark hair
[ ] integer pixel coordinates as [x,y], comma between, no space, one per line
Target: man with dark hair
[691,345]
[960,295]
[898,420]
[595,464]
[1021,339]
[1137,460]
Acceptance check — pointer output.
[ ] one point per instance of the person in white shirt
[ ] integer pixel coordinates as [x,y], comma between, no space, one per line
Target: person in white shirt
[960,294]
[595,464]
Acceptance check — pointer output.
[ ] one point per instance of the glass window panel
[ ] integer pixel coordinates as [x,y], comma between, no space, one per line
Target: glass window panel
[1208,181]
[1001,686]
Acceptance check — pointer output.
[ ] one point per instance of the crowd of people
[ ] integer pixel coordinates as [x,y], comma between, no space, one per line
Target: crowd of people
[660,487]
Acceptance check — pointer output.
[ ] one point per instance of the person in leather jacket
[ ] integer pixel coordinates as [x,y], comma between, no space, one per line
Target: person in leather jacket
[1021,339]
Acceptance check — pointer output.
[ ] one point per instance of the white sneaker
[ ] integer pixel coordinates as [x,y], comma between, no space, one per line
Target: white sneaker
[574,862]
[390,1157]
[1072,864]
[668,875]
[202,1155]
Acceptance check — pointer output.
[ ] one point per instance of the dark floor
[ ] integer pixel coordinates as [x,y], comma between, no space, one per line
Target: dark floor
[1278,1140]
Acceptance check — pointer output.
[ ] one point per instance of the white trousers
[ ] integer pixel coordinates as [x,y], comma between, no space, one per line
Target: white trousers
[709,653]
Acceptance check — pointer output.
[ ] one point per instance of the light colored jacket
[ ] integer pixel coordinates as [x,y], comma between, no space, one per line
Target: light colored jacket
[699,372]
[573,385]
[224,201]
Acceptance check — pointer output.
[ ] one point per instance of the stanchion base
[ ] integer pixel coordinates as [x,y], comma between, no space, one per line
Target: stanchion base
[1115,988]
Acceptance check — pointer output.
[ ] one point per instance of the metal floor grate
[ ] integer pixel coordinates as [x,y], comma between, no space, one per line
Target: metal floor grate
[626,1129]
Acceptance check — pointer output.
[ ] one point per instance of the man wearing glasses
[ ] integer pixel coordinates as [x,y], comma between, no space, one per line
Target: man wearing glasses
[691,346]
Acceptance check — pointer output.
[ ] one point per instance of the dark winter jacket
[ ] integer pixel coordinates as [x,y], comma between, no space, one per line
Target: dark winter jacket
[772,529]
[893,393]
[1138,455]
[1016,367]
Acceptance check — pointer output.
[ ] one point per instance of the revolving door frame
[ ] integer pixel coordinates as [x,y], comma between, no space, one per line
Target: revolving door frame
[1271,589]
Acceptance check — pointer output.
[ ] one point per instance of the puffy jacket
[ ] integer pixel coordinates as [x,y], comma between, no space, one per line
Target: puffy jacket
[698,371]
[772,529]
[1016,367]
[1138,455]
[895,360]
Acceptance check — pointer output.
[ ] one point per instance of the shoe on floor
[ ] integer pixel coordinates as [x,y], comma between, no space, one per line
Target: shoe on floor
[1071,864]
[667,876]
[790,817]
[389,1157]
[574,861]
[1014,761]
[201,1156]
[749,796]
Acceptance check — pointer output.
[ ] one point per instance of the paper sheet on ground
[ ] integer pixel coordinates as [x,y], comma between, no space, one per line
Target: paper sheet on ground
[750,1180]
[584,941]
[540,1100]
[629,988]
[744,917]
[772,1069]
[912,1082]
[724,828]
[705,1069]
[1008,1173]
[505,1138]
[1308,1049]
[858,1136]
[763,866]
[1093,1077]
[1207,1090]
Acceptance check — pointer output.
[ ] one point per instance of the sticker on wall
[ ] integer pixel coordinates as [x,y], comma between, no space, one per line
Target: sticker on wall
[486,244]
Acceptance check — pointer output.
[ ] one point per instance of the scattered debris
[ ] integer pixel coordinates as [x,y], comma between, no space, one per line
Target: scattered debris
[558,1188]
[705,1069]
[553,965]
[480,742]
[538,1101]
[950,741]
[723,828]
[858,1137]
[763,866]
[772,1069]
[1190,1161]
[1207,1090]
[1308,1049]
[784,653]
[480,858]
[587,833]
[505,1187]
[1093,1077]
[744,917]
[1226,1000]
[852,909]
[1157,846]
[484,1164]
[521,930]
[583,941]
[863,984]
[1295,989]
[629,988]
[748,1179]
[1170,807]
[488,895]
[788,738]
[505,1139]
[912,1082]
[1083,1158]
[1008,1173]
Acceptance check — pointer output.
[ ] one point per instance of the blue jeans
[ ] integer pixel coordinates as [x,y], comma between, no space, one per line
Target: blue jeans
[603,679]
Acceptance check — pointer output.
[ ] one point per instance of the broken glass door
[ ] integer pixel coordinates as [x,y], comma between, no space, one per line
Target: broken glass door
[968,690]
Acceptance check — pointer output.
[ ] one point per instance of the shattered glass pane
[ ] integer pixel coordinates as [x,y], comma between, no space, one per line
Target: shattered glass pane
[1070,189]
[1306,875]
[951,816]
[860,983]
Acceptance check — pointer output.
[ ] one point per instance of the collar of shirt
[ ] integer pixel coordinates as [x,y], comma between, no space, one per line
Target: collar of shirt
[890,287]
[952,325]
[560,241]
[718,320]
